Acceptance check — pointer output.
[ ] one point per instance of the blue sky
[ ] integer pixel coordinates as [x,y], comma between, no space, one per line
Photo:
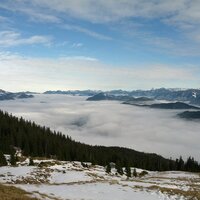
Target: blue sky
[105,44]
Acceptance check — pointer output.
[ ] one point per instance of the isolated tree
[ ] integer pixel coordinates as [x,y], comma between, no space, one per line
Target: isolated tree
[84,164]
[3,161]
[119,168]
[134,172]
[128,171]
[12,158]
[180,166]
[108,168]
[31,163]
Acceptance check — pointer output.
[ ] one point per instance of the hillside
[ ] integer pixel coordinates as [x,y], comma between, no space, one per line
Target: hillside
[40,141]
[190,115]
[176,105]
[52,179]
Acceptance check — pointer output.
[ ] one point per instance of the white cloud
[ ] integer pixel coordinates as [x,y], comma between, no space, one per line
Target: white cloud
[77,58]
[82,72]
[111,123]
[11,38]
[77,45]
[40,16]
[86,31]
[104,11]
[3,19]
[181,15]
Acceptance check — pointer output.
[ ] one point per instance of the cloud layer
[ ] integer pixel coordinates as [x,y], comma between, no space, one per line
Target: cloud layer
[80,72]
[111,123]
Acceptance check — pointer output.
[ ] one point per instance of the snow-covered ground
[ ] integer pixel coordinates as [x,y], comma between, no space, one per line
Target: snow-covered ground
[70,180]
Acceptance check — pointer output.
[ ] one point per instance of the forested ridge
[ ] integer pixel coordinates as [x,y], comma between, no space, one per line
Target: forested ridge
[38,141]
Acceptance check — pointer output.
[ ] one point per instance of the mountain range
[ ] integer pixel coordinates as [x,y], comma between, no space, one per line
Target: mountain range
[108,96]
[4,95]
[75,92]
[191,96]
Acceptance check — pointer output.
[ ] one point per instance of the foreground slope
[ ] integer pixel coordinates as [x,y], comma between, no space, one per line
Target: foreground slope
[52,179]
[11,192]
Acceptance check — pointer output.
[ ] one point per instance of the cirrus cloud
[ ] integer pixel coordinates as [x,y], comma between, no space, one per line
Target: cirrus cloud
[11,38]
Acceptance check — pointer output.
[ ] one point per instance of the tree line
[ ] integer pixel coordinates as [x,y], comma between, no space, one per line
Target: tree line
[40,141]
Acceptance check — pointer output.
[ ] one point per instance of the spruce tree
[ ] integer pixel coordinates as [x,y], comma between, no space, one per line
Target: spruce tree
[180,164]
[3,161]
[134,172]
[119,168]
[128,171]
[31,163]
[12,158]
[108,168]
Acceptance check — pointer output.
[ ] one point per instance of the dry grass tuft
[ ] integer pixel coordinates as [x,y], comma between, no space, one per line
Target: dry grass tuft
[13,193]
[190,194]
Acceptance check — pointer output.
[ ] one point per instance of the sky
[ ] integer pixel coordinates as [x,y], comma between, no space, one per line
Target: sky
[105,44]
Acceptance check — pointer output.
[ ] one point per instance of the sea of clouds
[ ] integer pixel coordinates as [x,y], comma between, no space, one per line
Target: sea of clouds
[111,123]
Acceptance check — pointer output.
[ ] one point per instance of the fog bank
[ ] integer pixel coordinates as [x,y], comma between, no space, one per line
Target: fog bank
[112,124]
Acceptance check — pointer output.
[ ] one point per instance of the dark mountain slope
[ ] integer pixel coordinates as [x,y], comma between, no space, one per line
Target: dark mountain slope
[190,115]
[176,105]
[35,140]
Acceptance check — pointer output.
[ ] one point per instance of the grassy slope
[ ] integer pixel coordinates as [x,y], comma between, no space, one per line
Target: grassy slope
[13,193]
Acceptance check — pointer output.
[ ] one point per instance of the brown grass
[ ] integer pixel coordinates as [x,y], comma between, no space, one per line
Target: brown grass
[13,193]
[190,194]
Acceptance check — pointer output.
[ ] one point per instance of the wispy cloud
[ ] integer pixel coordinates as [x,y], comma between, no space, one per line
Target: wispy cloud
[82,72]
[180,15]
[86,31]
[104,11]
[11,38]
[77,45]
[77,58]
[3,19]
[41,17]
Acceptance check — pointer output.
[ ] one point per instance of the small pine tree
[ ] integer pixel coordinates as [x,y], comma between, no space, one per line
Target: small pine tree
[3,161]
[134,172]
[119,169]
[108,168]
[12,159]
[84,164]
[128,171]
[180,164]
[31,163]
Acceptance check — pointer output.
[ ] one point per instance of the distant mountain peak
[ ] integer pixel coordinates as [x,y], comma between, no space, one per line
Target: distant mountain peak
[11,96]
